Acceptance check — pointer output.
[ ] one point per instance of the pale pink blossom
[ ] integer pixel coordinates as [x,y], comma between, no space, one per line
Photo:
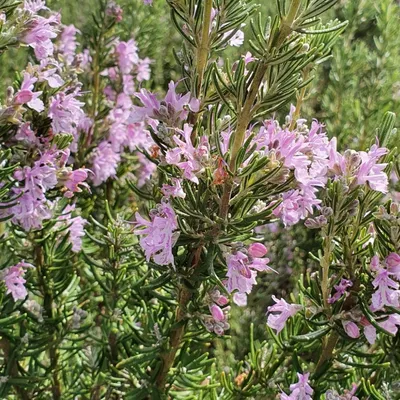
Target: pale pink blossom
[14,281]
[39,34]
[174,190]
[127,54]
[26,95]
[172,109]
[393,264]
[280,312]
[341,289]
[187,157]
[300,390]
[351,329]
[159,234]
[257,250]
[386,291]
[104,163]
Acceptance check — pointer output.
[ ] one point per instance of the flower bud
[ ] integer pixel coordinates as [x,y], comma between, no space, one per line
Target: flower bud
[217,313]
[257,250]
[351,329]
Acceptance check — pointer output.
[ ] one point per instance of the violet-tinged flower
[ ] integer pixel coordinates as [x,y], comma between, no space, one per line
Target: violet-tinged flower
[393,264]
[66,112]
[237,38]
[73,180]
[26,134]
[296,205]
[67,46]
[187,157]
[143,69]
[26,95]
[39,35]
[148,2]
[347,395]
[341,289]
[300,390]
[387,293]
[280,312]
[390,325]
[242,271]
[75,228]
[35,5]
[14,281]
[351,329]
[30,212]
[159,234]
[172,109]
[127,53]
[49,71]
[174,190]
[104,163]
[217,312]
[257,250]
[360,168]
[114,10]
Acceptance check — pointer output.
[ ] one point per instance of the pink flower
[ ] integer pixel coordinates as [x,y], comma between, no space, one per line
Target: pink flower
[242,271]
[73,180]
[49,71]
[280,312]
[26,95]
[148,2]
[14,281]
[187,157]
[257,250]
[340,290]
[172,109]
[360,168]
[75,228]
[351,329]
[68,45]
[26,134]
[386,293]
[127,53]
[143,70]
[104,163]
[297,205]
[66,112]
[390,325]
[237,38]
[371,171]
[30,212]
[174,190]
[39,35]
[393,263]
[158,235]
[300,390]
[35,5]
[217,312]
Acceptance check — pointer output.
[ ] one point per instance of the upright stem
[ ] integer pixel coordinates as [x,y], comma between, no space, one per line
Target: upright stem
[177,333]
[325,263]
[246,114]
[203,49]
[175,338]
[48,307]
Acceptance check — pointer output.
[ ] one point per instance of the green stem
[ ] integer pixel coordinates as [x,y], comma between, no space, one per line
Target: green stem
[177,333]
[203,49]
[246,112]
[325,263]
[48,307]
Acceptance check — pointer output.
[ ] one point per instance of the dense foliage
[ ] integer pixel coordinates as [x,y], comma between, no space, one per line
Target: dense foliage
[171,225]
